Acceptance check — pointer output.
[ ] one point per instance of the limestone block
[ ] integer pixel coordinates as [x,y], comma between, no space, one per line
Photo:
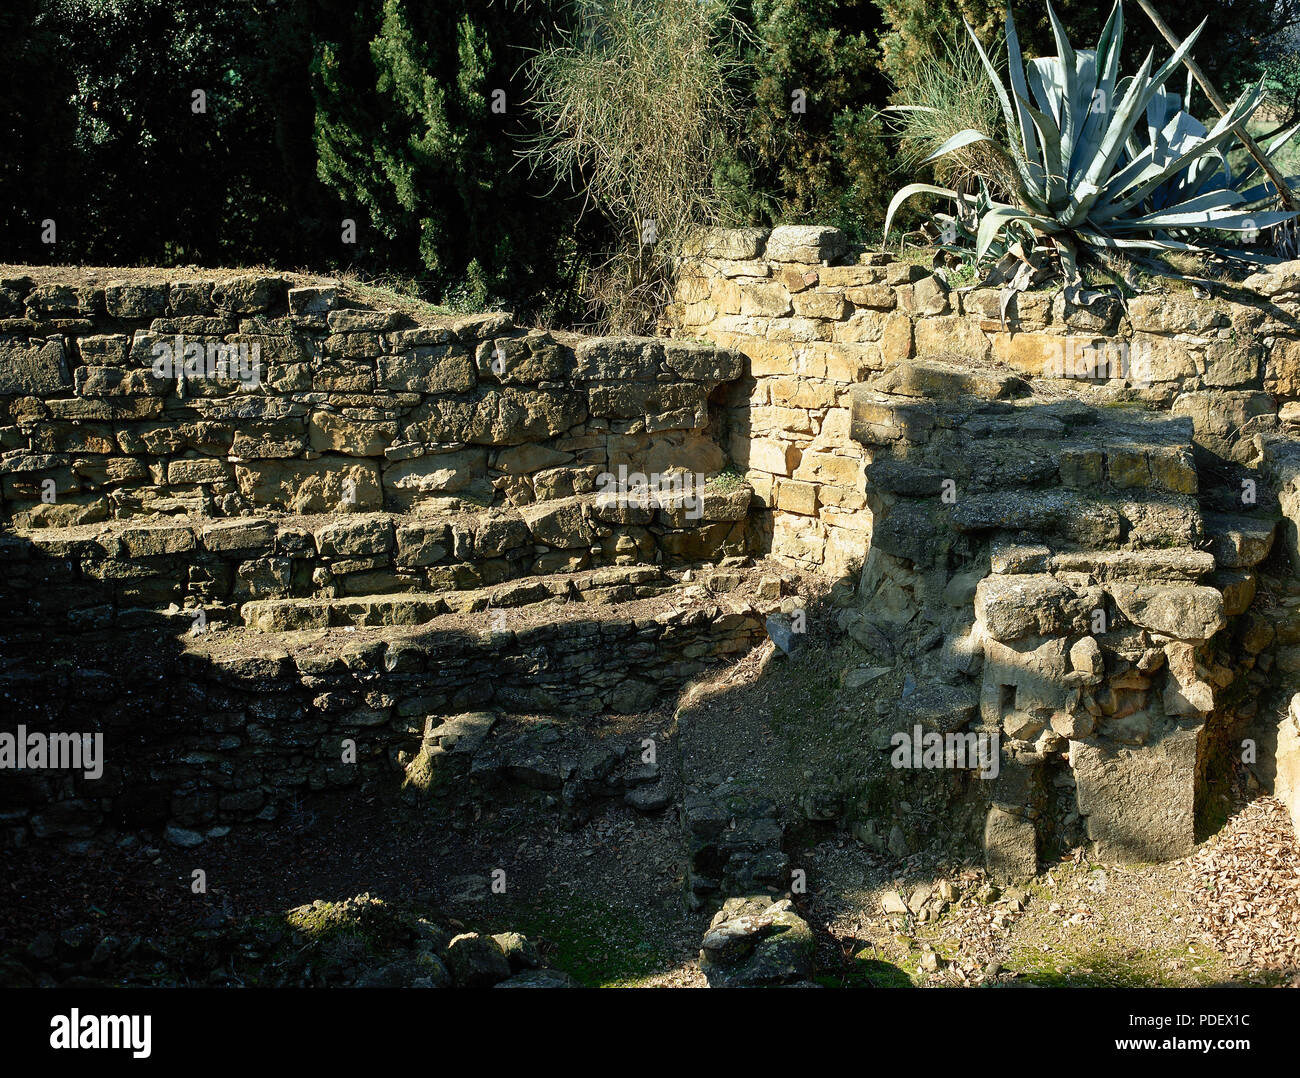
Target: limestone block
[331,432]
[427,369]
[1010,846]
[33,367]
[330,484]
[810,244]
[355,537]
[951,335]
[1138,802]
[1185,613]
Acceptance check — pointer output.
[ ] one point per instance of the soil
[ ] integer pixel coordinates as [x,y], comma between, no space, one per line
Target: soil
[604,900]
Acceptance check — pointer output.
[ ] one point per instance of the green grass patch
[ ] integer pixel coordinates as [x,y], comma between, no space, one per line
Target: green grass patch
[599,944]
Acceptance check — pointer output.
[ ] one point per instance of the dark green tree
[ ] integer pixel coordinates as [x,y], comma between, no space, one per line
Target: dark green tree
[416,127]
[816,149]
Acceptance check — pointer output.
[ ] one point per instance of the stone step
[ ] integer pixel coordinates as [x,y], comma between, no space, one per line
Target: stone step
[600,586]
[937,380]
[221,564]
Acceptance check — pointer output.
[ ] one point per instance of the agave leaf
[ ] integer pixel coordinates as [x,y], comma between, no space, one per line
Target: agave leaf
[1223,130]
[1108,57]
[999,218]
[1053,165]
[1158,115]
[1008,116]
[1221,198]
[1253,167]
[1019,94]
[1226,222]
[907,192]
[1251,257]
[1069,264]
[1070,78]
[1135,171]
[1112,143]
[1121,126]
[1267,191]
[1100,239]
[1048,85]
[956,142]
[1085,97]
[1282,139]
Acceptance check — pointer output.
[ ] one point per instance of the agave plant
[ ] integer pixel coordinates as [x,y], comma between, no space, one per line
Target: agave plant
[1089,175]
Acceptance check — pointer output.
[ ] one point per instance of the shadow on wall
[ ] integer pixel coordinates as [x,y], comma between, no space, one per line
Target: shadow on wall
[1035,576]
[1045,573]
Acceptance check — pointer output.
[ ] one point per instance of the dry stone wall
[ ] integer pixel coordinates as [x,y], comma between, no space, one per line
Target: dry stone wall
[814,318]
[248,519]
[354,495]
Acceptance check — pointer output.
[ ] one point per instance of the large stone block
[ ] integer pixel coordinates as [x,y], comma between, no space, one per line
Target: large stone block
[1010,846]
[329,484]
[249,293]
[428,369]
[1139,803]
[534,358]
[330,431]
[735,244]
[1013,606]
[355,537]
[33,367]
[437,473]
[617,359]
[559,524]
[1185,613]
[951,335]
[811,244]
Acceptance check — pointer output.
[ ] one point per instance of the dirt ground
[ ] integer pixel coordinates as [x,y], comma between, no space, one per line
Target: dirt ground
[604,899]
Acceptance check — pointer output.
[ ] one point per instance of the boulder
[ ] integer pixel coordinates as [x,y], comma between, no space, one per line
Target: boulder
[754,942]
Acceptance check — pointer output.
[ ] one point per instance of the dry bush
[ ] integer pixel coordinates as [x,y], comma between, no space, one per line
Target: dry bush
[635,107]
[944,94]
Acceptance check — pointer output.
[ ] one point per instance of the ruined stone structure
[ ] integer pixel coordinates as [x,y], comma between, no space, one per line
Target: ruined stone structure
[1059,518]
[379,543]
[278,574]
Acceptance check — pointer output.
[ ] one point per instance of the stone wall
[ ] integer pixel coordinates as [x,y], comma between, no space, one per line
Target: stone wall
[335,515]
[354,409]
[814,318]
[207,732]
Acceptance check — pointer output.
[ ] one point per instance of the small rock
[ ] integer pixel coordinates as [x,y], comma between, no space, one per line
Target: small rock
[519,950]
[864,676]
[477,961]
[649,798]
[185,839]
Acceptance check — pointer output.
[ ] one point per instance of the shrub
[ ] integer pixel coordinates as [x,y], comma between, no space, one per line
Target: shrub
[636,106]
[1088,173]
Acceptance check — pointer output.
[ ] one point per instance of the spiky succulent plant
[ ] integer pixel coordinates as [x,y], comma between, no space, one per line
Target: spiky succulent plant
[1089,173]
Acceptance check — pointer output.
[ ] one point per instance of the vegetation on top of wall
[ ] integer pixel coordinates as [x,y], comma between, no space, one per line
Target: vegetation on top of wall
[171,132]
[1093,163]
